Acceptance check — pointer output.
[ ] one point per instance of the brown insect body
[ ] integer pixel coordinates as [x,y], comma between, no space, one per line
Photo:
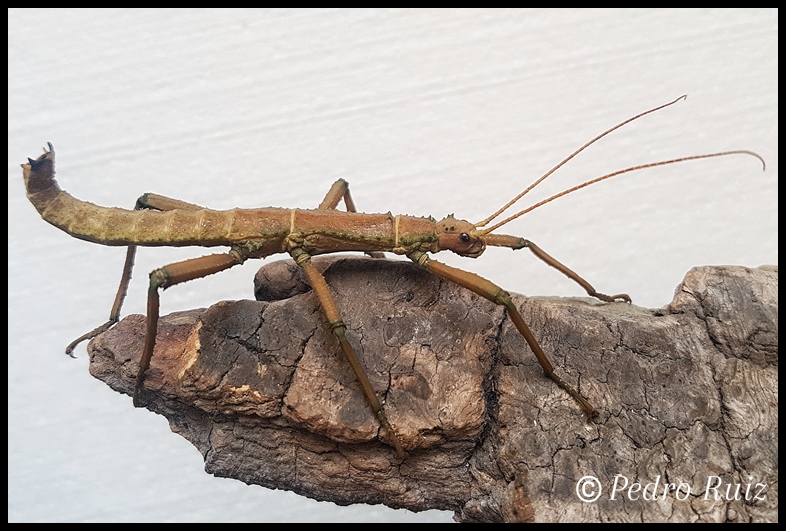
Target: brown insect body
[258,233]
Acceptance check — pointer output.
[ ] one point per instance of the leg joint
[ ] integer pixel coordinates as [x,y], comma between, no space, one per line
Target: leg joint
[338,327]
[141,203]
[502,298]
[159,279]
[238,254]
[300,256]
[420,258]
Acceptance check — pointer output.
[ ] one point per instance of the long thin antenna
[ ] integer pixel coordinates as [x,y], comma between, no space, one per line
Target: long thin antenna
[620,172]
[558,166]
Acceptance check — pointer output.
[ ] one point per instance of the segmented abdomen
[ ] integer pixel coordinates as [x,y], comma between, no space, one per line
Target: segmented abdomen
[207,228]
[261,232]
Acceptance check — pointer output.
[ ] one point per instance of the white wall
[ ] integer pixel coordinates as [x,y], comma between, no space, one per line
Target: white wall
[425,113]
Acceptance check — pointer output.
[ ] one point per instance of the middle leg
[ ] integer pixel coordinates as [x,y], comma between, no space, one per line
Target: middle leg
[328,303]
[340,190]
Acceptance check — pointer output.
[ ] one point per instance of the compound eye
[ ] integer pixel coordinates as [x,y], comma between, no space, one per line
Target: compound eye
[464,237]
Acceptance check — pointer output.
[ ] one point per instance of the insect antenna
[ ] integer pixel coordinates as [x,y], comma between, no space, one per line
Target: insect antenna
[562,163]
[620,172]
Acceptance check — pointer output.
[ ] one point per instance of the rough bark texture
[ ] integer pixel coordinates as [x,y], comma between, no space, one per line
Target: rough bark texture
[687,395]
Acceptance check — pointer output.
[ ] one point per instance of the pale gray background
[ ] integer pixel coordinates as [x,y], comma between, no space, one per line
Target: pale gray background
[425,113]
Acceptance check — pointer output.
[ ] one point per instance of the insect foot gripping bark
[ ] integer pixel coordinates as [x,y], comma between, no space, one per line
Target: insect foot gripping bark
[302,233]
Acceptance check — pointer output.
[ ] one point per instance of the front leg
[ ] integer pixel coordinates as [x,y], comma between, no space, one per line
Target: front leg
[550,260]
[515,243]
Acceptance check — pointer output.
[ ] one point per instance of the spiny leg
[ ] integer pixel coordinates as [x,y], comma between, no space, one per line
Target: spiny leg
[320,287]
[340,190]
[165,277]
[497,295]
[147,201]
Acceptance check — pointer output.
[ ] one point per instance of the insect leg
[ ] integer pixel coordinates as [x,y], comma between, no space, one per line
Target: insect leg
[147,201]
[165,277]
[322,290]
[489,290]
[339,190]
[514,242]
[114,313]
[543,255]
[162,202]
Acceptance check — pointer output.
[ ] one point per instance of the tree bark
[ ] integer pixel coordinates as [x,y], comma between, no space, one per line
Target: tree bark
[687,395]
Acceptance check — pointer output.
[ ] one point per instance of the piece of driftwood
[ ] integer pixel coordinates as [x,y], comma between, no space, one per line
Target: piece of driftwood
[688,395]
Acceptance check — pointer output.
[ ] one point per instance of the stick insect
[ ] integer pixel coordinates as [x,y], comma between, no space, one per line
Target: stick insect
[257,233]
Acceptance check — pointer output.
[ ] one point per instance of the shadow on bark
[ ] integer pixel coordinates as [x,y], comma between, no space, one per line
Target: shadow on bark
[688,395]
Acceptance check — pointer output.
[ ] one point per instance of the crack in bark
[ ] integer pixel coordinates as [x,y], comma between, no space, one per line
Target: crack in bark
[488,436]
